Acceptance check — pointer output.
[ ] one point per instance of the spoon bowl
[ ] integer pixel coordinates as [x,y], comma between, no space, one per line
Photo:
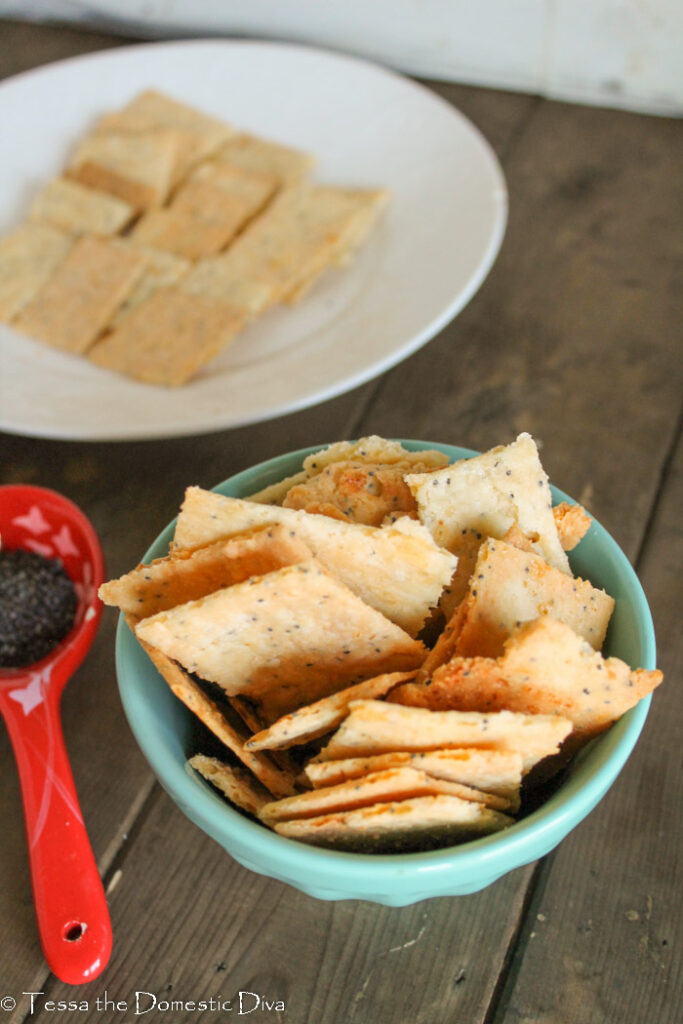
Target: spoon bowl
[71,908]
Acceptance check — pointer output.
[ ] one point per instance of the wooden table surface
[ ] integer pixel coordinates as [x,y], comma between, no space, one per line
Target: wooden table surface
[575,337]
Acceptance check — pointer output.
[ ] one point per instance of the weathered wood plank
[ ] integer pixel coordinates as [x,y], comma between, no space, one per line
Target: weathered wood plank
[604,934]
[192,923]
[575,336]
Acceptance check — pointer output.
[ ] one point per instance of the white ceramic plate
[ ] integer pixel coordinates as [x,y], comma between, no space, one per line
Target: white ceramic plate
[368,127]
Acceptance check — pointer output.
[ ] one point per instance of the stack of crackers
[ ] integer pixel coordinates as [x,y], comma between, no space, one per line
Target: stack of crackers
[389,648]
[167,233]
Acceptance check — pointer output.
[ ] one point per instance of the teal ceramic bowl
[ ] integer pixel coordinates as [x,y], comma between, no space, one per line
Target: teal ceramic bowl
[164,729]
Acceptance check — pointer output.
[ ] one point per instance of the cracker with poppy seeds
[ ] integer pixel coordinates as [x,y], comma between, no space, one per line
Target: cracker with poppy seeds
[283,639]
[372,449]
[387,786]
[546,668]
[299,235]
[198,134]
[237,784]
[397,570]
[136,167]
[29,256]
[190,575]
[313,720]
[161,270]
[489,770]
[510,586]
[264,156]
[72,207]
[212,278]
[484,496]
[425,822]
[378,727]
[231,733]
[82,295]
[168,337]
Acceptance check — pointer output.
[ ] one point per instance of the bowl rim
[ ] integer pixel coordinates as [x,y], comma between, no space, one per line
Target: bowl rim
[520,843]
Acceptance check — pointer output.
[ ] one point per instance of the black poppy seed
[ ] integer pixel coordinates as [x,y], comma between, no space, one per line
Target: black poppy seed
[586,690]
[508,472]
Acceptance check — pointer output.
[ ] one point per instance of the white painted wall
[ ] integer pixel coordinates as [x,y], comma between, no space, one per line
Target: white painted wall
[616,53]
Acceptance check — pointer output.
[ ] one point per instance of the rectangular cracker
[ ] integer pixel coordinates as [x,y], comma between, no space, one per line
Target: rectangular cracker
[376,727]
[312,720]
[161,270]
[484,496]
[231,734]
[491,771]
[264,156]
[299,235]
[200,135]
[510,586]
[214,279]
[190,575]
[72,207]
[82,295]
[208,203]
[137,167]
[425,822]
[168,338]
[398,570]
[283,639]
[392,784]
[237,784]
[181,233]
[250,189]
[29,255]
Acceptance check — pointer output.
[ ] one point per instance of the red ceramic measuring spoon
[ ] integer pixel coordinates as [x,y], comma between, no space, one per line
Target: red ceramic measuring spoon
[72,913]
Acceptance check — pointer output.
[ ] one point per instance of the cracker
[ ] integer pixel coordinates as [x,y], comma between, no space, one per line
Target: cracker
[166,339]
[237,784]
[214,279]
[137,168]
[29,255]
[392,784]
[161,270]
[212,205]
[572,522]
[82,295]
[251,189]
[199,134]
[183,234]
[491,771]
[483,497]
[283,639]
[231,734]
[71,207]
[510,586]
[264,156]
[190,575]
[547,668]
[313,720]
[356,491]
[376,727]
[299,235]
[398,570]
[424,822]
[372,449]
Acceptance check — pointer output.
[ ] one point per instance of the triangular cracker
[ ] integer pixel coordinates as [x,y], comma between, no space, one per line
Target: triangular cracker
[235,783]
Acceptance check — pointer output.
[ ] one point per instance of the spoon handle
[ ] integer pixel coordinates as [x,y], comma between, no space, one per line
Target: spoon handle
[71,908]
